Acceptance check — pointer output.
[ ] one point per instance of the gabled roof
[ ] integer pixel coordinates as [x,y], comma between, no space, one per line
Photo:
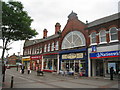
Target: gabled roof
[104,20]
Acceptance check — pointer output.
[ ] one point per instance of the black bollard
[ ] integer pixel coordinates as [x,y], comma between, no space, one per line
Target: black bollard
[11,82]
[3,78]
[17,67]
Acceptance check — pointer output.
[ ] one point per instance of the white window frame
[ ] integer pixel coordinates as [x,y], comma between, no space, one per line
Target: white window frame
[91,39]
[67,43]
[102,36]
[116,40]
[49,47]
[56,47]
[52,47]
[45,48]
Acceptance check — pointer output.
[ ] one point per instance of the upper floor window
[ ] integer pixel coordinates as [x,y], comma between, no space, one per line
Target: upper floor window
[48,47]
[56,47]
[40,49]
[52,48]
[37,50]
[30,51]
[102,36]
[93,38]
[73,39]
[45,48]
[113,34]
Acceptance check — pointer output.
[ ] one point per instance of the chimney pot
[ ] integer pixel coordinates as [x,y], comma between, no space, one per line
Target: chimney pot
[57,27]
[45,33]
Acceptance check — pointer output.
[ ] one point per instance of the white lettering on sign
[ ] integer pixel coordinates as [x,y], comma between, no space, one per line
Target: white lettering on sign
[103,54]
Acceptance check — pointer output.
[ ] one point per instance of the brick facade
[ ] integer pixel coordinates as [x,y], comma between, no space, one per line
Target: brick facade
[53,43]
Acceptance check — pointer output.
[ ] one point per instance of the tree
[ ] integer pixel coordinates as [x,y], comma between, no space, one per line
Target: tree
[15,24]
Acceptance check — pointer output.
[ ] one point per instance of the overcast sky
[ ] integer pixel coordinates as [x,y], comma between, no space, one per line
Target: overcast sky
[46,13]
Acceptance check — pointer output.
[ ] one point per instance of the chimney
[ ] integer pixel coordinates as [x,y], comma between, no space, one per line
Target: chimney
[45,33]
[57,28]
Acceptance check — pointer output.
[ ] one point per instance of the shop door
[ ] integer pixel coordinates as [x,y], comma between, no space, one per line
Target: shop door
[99,68]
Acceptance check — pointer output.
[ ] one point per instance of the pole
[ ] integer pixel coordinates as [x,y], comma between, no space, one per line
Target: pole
[3,80]
[3,72]
[11,82]
[17,67]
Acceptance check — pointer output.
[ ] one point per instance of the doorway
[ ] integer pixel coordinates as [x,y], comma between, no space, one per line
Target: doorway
[99,68]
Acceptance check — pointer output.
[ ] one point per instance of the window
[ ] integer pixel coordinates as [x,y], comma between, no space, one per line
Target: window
[73,39]
[56,47]
[40,49]
[102,36]
[30,51]
[45,48]
[48,47]
[113,34]
[37,50]
[52,47]
[93,38]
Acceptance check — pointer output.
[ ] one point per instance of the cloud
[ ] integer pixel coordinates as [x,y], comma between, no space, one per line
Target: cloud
[46,13]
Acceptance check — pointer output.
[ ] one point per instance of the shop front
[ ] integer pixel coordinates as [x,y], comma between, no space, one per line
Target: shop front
[36,62]
[70,58]
[104,58]
[50,62]
[26,61]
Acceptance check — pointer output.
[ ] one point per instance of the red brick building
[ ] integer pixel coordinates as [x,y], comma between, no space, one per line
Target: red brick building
[103,47]
[12,59]
[74,45]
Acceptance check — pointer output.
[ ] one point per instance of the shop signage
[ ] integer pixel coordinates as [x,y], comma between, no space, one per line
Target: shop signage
[27,58]
[36,57]
[105,54]
[72,56]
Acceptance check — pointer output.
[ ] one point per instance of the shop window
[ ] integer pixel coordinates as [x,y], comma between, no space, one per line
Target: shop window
[73,39]
[93,38]
[50,64]
[102,36]
[113,34]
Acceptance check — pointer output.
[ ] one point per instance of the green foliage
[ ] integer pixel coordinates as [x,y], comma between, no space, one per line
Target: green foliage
[16,22]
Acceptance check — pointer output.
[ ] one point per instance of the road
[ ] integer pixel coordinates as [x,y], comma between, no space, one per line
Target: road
[50,80]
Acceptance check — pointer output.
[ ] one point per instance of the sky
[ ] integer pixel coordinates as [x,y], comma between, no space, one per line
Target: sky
[46,13]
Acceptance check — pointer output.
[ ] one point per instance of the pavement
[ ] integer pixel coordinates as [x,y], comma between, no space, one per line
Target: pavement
[53,80]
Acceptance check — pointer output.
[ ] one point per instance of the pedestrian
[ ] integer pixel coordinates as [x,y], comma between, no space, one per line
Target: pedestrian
[111,73]
[29,70]
[23,67]
[76,71]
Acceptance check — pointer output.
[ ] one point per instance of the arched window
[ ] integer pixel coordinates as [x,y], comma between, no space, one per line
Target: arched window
[45,48]
[93,38]
[102,36]
[52,48]
[113,34]
[73,39]
[48,47]
[56,47]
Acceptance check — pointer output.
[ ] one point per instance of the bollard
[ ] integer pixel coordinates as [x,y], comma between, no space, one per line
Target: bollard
[17,67]
[11,82]
[3,78]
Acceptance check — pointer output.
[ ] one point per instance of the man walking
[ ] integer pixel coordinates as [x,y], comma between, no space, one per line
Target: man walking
[111,73]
